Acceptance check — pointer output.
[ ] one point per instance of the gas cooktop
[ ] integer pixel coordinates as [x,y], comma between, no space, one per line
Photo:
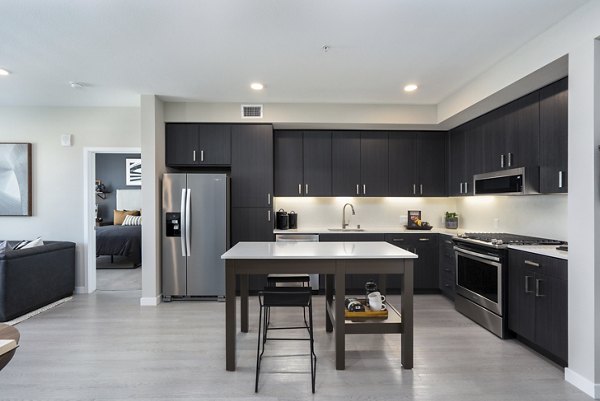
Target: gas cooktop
[503,240]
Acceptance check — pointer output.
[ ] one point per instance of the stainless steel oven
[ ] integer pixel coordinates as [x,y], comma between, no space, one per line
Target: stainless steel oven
[480,285]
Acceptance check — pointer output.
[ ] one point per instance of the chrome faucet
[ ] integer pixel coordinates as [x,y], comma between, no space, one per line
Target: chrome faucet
[344,224]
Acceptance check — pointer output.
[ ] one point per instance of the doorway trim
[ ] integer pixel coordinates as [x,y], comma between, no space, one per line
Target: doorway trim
[89,224]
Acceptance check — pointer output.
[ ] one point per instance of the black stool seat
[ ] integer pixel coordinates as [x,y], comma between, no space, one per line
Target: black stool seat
[276,297]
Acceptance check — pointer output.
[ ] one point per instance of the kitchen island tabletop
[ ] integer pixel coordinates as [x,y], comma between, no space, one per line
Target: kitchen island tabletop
[335,260]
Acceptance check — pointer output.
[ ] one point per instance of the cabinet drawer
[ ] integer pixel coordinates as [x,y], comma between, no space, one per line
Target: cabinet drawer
[541,264]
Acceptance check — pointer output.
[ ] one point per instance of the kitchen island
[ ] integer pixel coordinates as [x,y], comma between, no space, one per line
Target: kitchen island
[335,260]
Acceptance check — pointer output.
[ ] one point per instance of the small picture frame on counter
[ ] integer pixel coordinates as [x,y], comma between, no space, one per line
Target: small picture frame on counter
[413,217]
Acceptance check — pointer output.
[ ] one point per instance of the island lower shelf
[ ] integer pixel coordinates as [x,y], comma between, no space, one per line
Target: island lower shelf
[393,324]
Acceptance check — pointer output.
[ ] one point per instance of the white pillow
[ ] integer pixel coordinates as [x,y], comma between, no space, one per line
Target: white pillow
[36,242]
[132,220]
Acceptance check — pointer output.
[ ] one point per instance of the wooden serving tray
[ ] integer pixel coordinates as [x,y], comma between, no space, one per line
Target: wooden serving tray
[367,314]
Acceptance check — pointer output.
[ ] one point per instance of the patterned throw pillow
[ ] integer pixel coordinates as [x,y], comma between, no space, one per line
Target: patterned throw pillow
[119,215]
[132,220]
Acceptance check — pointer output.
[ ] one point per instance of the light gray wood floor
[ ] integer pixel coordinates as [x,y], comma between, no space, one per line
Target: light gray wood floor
[105,346]
[117,276]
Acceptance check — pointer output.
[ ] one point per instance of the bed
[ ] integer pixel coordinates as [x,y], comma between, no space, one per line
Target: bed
[120,240]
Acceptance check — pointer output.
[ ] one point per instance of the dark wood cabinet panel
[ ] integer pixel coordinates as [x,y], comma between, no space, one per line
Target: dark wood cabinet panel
[288,146]
[426,266]
[345,163]
[374,163]
[251,165]
[181,142]
[538,301]
[554,142]
[523,128]
[317,163]
[447,270]
[214,144]
[402,149]
[494,141]
[431,158]
[458,161]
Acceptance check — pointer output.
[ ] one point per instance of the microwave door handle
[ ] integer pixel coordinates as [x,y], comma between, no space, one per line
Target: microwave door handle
[182,222]
[187,221]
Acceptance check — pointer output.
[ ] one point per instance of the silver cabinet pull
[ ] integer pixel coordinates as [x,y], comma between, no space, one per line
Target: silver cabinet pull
[415,189]
[421,188]
[364,189]
[268,215]
[527,290]
[299,189]
[305,189]
[560,179]
[268,199]
[537,288]
[397,239]
[201,155]
[357,189]
[194,155]
[502,161]
[461,189]
[466,187]
[530,263]
[509,159]
[423,239]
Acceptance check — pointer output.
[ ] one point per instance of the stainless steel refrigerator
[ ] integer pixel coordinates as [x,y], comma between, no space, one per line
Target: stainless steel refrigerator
[195,233]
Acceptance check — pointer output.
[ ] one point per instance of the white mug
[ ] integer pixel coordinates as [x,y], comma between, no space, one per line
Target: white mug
[376,301]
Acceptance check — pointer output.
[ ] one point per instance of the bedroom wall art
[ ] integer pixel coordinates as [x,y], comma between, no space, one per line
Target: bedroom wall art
[134,171]
[15,179]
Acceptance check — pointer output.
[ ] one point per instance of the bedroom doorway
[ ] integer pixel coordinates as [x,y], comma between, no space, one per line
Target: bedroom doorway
[112,238]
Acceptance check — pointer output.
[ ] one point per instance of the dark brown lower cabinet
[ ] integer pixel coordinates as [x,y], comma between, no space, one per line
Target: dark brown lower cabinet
[252,224]
[426,266]
[447,266]
[537,302]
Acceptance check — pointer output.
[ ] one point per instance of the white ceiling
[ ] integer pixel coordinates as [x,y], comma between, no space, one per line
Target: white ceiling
[211,51]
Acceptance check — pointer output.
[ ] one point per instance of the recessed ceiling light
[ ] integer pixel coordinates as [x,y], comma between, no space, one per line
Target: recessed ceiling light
[257,86]
[4,72]
[410,88]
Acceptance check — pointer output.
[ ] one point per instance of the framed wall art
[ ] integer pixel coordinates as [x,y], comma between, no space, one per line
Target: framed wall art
[133,172]
[15,179]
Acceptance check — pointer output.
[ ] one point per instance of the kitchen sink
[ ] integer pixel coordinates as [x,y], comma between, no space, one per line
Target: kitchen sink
[346,229]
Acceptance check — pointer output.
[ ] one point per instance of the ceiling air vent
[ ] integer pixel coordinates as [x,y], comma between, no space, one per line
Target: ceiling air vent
[252,111]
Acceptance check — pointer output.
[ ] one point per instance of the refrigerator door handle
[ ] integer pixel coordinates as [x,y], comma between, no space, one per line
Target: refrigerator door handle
[182,222]
[187,221]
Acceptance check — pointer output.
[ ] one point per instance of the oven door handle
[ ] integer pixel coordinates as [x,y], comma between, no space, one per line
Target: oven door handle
[478,255]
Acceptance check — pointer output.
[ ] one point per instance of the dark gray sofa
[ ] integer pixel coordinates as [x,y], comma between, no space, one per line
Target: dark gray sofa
[35,277]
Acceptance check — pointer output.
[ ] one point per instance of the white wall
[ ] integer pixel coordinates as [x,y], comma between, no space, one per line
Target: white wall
[536,215]
[370,212]
[58,171]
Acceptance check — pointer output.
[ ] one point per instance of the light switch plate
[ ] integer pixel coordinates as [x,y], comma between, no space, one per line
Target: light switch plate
[65,140]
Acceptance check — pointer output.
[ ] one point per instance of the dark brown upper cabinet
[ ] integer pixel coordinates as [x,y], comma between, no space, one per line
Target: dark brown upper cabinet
[302,163]
[374,164]
[194,145]
[554,139]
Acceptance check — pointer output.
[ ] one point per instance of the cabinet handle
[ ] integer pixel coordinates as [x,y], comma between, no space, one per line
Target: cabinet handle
[364,189]
[537,288]
[448,242]
[461,189]
[530,263]
[357,190]
[305,189]
[201,155]
[421,188]
[194,155]
[509,159]
[447,285]
[397,239]
[527,291]
[447,270]
[501,161]
[466,187]
[268,215]
[268,199]
[423,239]
[560,179]
[415,189]
[299,189]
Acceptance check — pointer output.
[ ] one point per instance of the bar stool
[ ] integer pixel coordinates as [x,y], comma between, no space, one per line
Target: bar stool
[277,297]
[287,279]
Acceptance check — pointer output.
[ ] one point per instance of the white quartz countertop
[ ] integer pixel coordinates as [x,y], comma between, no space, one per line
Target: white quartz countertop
[375,230]
[317,250]
[546,250]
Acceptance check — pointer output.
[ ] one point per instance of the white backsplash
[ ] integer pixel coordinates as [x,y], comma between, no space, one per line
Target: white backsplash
[370,212]
[536,215]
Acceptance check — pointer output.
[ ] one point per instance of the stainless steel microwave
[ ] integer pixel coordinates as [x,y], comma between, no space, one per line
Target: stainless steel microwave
[515,181]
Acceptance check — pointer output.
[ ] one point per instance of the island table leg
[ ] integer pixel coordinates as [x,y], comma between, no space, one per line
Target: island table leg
[340,320]
[244,288]
[230,321]
[406,345]
[328,299]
